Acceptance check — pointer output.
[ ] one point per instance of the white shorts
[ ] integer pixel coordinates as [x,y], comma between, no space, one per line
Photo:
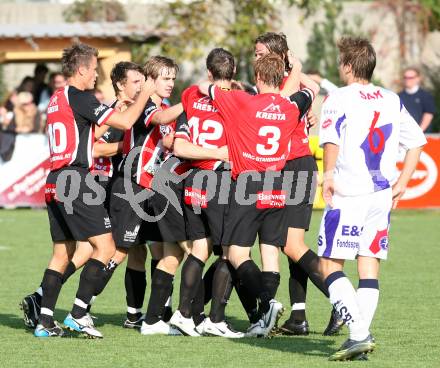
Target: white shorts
[355,226]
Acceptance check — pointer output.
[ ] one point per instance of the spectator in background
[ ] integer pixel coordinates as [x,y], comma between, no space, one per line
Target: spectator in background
[26,117]
[56,81]
[40,73]
[419,102]
[26,85]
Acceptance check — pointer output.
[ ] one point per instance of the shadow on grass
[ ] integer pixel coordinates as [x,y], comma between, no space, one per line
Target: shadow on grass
[312,345]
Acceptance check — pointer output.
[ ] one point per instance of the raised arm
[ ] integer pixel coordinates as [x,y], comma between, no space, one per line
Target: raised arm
[125,120]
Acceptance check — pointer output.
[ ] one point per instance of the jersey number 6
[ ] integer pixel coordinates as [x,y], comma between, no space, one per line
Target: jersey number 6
[373,130]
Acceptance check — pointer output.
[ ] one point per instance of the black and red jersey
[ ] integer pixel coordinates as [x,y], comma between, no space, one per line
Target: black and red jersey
[71,118]
[259,128]
[149,138]
[299,145]
[204,125]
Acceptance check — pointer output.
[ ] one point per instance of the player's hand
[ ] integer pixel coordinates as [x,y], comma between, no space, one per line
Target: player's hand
[398,191]
[168,141]
[223,154]
[149,86]
[328,189]
[312,119]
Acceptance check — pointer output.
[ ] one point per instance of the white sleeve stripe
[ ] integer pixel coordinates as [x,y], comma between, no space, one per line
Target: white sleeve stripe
[211,91]
[104,116]
[307,90]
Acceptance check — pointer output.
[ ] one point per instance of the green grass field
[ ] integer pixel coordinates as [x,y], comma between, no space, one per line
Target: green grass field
[406,326]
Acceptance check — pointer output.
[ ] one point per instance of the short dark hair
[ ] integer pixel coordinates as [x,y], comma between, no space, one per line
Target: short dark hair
[276,43]
[359,53]
[119,73]
[79,54]
[40,68]
[221,64]
[154,65]
[52,75]
[270,70]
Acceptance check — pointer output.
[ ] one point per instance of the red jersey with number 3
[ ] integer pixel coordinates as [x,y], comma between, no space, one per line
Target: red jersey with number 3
[71,117]
[259,128]
[204,126]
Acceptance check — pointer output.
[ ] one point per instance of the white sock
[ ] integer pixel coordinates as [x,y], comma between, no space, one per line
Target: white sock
[169,302]
[367,296]
[343,298]
[92,300]
[39,291]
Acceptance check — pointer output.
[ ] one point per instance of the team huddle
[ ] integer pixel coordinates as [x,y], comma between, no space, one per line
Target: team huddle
[226,166]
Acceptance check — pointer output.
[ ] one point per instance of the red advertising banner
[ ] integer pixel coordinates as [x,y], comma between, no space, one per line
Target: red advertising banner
[424,188]
[22,178]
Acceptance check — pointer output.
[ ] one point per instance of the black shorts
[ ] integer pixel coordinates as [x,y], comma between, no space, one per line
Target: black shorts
[168,210]
[204,205]
[78,212]
[303,180]
[264,215]
[129,221]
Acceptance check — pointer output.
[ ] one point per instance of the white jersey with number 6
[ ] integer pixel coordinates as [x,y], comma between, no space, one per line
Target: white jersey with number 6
[368,123]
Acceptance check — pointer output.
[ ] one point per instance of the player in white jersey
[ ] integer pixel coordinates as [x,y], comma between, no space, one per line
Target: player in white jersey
[362,128]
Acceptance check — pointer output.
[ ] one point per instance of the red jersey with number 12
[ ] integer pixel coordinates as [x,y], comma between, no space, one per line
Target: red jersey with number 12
[204,127]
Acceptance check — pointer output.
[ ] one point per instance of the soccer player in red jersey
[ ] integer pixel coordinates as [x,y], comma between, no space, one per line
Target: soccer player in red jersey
[303,262]
[200,137]
[72,115]
[258,130]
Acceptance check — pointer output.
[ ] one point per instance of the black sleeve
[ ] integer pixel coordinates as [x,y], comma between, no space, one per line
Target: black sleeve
[303,99]
[85,104]
[112,135]
[182,127]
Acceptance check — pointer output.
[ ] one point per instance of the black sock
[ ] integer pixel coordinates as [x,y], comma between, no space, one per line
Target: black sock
[207,280]
[192,272]
[135,285]
[90,280]
[70,270]
[37,295]
[198,305]
[297,290]
[248,301]
[310,263]
[271,281]
[161,286]
[221,290]
[153,266]
[51,285]
[251,276]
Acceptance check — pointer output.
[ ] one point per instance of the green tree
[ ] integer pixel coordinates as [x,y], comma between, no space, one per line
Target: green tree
[233,24]
[95,11]
[321,47]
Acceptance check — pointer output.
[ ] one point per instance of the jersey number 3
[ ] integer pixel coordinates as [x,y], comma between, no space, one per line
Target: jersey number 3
[273,135]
